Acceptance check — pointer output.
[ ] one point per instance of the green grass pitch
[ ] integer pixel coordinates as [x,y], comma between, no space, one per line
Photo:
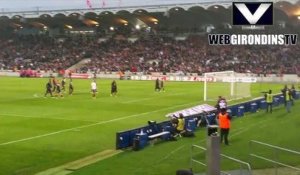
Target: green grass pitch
[39,133]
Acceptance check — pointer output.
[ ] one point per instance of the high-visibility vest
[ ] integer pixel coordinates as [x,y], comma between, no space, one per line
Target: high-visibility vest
[180,125]
[287,95]
[269,98]
[224,121]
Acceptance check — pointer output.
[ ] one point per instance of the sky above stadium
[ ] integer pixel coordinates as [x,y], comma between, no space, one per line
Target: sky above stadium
[31,5]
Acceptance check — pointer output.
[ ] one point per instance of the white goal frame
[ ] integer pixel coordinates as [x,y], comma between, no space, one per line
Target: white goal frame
[228,77]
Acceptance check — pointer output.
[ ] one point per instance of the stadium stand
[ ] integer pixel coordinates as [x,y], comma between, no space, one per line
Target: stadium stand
[171,41]
[38,53]
[147,54]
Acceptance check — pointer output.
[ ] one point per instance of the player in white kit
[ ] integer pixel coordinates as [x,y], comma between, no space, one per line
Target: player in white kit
[94,88]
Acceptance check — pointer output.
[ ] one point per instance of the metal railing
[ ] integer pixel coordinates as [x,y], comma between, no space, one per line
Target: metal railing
[193,160]
[276,163]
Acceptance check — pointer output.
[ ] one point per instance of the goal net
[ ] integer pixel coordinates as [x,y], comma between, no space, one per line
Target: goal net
[228,84]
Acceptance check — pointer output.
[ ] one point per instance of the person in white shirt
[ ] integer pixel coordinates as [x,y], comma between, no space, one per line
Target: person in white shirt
[94,88]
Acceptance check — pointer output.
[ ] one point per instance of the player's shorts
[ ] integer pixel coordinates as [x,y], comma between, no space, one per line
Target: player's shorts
[113,90]
[94,90]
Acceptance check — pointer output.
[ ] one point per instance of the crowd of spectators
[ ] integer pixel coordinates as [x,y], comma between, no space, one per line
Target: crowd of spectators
[38,53]
[146,54]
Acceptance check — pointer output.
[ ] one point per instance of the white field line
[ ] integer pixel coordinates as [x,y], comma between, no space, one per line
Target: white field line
[235,133]
[169,154]
[239,131]
[43,117]
[90,125]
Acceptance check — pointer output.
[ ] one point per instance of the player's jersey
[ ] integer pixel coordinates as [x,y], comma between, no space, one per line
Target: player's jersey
[58,90]
[114,87]
[63,82]
[54,81]
[48,86]
[161,84]
[94,86]
[71,85]
[157,84]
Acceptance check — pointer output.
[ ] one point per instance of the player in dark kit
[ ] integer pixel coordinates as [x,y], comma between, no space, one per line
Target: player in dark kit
[63,84]
[48,88]
[54,83]
[157,85]
[58,90]
[71,88]
[70,75]
[114,88]
[162,87]
[284,94]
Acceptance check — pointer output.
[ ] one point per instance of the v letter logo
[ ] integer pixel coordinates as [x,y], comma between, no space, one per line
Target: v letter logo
[253,18]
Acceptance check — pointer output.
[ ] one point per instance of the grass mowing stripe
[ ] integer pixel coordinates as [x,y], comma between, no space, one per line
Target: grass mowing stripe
[164,158]
[90,125]
[235,132]
[54,118]
[172,152]
[29,157]
[80,163]
[151,98]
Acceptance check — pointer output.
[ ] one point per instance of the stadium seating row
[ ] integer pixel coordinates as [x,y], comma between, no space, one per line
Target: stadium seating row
[167,55]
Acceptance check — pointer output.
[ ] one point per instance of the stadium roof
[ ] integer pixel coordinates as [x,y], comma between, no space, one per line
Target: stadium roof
[37,8]
[172,14]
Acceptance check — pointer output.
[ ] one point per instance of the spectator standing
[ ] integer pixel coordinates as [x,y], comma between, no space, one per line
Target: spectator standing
[288,99]
[293,93]
[269,100]
[224,124]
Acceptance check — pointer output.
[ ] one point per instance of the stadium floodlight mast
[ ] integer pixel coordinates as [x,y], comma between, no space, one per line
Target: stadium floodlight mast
[228,84]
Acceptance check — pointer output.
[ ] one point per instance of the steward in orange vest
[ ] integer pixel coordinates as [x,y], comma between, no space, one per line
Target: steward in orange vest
[224,124]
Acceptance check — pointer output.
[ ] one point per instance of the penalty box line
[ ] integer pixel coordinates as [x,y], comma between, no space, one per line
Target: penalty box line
[91,125]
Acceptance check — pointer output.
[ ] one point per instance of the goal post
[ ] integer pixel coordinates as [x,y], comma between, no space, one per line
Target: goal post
[228,84]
